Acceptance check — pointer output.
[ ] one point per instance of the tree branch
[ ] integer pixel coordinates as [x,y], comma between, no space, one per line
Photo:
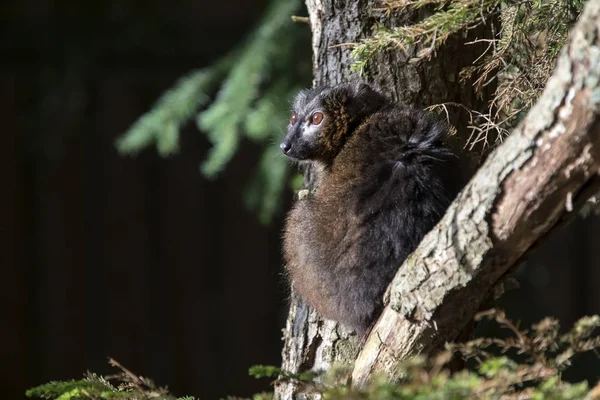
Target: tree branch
[524,189]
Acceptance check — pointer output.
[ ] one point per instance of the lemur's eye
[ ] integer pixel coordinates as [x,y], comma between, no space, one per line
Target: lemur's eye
[293,119]
[316,118]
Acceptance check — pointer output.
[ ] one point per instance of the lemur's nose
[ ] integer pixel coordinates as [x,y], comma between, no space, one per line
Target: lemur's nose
[285,147]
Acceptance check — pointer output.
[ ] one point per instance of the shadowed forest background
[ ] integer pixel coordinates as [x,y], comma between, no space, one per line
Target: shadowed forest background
[142,259]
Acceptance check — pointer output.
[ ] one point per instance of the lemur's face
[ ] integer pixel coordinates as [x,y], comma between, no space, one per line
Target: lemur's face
[323,118]
[307,124]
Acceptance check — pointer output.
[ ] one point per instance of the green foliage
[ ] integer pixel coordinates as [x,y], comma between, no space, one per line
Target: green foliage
[66,390]
[161,125]
[264,371]
[266,186]
[240,100]
[526,365]
[128,387]
[263,396]
[270,371]
[253,86]
[518,59]
[430,33]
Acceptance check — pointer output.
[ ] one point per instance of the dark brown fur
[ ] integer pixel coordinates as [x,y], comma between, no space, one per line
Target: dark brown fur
[385,179]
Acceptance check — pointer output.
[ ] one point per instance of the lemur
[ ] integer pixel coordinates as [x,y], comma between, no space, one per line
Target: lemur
[384,178]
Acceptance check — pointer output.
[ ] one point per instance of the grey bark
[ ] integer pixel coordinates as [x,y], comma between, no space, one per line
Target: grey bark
[529,186]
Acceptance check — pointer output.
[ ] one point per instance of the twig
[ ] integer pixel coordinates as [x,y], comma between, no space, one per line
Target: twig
[302,20]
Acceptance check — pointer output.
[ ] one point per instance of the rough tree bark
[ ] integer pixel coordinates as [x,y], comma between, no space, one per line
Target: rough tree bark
[526,188]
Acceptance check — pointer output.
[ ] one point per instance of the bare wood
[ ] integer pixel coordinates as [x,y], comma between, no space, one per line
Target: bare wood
[523,190]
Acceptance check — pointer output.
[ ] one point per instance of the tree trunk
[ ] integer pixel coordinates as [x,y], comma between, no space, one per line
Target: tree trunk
[312,343]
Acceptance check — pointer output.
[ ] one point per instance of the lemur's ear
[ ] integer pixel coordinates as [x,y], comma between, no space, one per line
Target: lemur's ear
[363,99]
[364,89]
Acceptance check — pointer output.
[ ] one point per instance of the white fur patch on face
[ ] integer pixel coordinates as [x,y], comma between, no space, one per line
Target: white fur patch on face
[309,130]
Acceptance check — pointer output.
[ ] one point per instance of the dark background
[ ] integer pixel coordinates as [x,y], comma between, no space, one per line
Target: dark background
[140,258]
